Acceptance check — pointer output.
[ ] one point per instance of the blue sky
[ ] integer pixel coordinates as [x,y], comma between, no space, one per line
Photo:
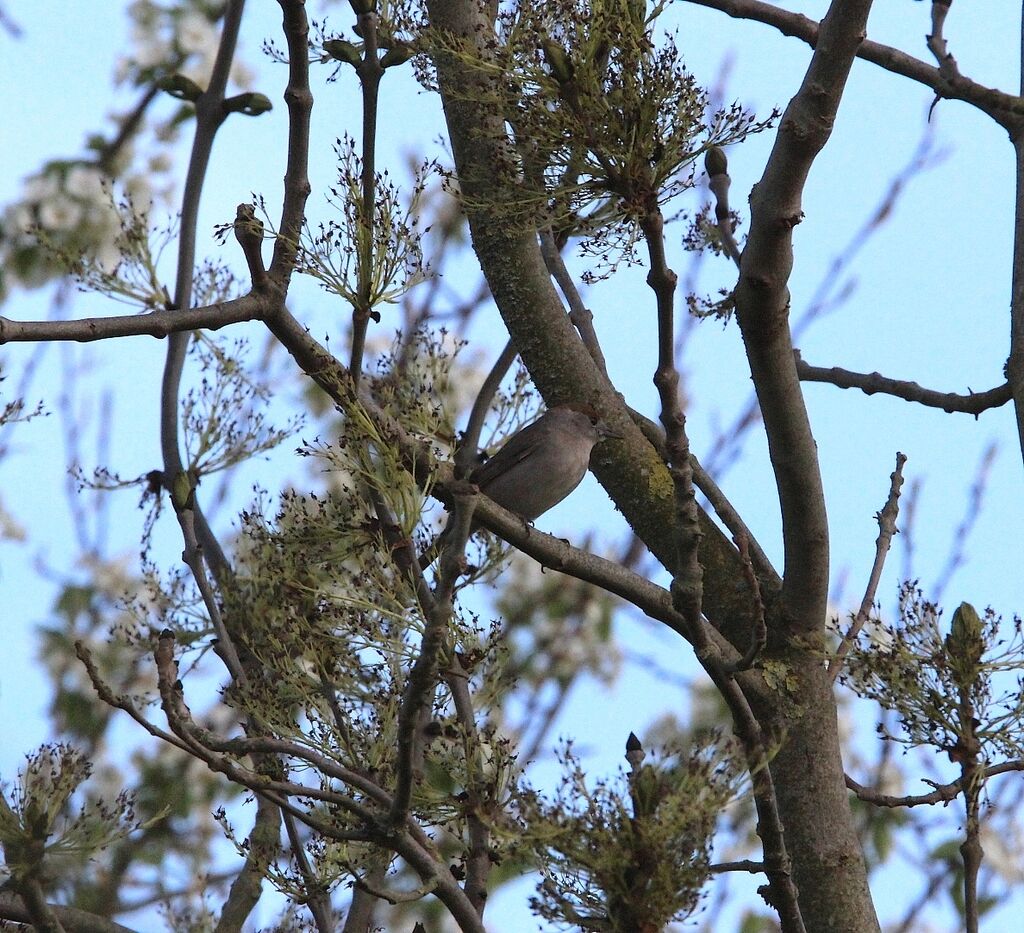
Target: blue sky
[929,304]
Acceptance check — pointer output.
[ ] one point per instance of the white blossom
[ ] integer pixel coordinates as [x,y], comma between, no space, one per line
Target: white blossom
[85,182]
[196,34]
[60,213]
[41,187]
[18,219]
[107,255]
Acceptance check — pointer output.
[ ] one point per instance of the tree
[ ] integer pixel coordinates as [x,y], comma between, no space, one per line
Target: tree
[364,722]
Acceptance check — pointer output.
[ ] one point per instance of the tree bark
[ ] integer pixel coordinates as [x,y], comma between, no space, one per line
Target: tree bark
[827,861]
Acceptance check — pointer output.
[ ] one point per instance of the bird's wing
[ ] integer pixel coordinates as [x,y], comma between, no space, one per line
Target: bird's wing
[517,448]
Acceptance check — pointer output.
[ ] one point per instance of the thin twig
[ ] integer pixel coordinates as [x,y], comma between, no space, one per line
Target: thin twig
[972,511]
[318,900]
[422,678]
[370,72]
[759,629]
[108,696]
[156,324]
[580,315]
[396,897]
[754,868]
[688,574]
[942,793]
[210,115]
[469,443]
[193,558]
[973,403]
[886,529]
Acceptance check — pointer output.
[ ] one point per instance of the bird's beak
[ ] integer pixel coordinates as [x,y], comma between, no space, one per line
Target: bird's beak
[606,431]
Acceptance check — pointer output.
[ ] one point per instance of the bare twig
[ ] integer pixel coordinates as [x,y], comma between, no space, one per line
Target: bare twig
[422,678]
[580,315]
[732,520]
[973,403]
[210,114]
[687,574]
[156,324]
[759,630]
[108,696]
[396,897]
[318,900]
[478,856]
[886,529]
[193,558]
[687,592]
[725,510]
[754,868]
[1005,109]
[465,456]
[718,181]
[943,793]
[370,72]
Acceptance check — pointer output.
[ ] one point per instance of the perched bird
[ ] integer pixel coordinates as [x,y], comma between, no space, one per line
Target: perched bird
[541,464]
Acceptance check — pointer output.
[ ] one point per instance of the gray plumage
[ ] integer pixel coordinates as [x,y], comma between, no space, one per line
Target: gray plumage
[541,464]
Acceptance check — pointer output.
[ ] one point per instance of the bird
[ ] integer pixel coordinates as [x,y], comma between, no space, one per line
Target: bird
[537,467]
[542,463]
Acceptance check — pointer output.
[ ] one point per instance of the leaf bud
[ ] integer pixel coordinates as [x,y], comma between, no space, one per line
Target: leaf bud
[179,86]
[398,54]
[252,104]
[715,161]
[343,51]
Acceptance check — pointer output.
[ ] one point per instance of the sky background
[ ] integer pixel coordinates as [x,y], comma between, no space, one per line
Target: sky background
[928,301]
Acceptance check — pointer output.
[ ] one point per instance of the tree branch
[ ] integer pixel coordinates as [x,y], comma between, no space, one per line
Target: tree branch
[551,348]
[886,529]
[762,302]
[580,315]
[1006,109]
[299,100]
[161,324]
[943,793]
[71,918]
[974,403]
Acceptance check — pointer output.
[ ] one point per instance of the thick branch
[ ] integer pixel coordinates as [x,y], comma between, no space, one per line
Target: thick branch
[828,866]
[1006,109]
[72,919]
[1015,363]
[299,100]
[762,302]
[552,350]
